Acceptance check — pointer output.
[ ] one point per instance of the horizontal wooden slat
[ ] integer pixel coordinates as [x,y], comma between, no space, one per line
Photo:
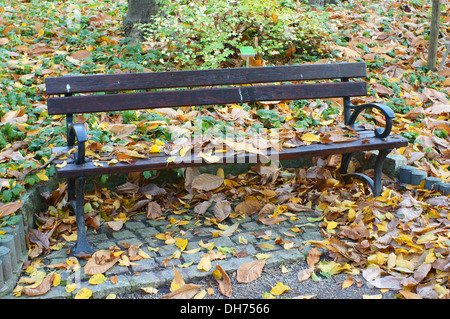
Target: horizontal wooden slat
[174,79]
[174,98]
[160,162]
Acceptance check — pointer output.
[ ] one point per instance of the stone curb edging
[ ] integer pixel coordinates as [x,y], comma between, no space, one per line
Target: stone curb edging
[411,175]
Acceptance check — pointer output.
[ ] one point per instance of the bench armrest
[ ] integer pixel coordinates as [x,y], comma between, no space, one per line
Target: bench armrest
[77,131]
[386,110]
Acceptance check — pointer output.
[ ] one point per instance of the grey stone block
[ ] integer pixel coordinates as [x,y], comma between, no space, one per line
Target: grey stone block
[417,177]
[5,257]
[444,188]
[404,175]
[8,241]
[432,183]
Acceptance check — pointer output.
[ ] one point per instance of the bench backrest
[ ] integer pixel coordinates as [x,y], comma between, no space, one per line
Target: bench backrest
[89,103]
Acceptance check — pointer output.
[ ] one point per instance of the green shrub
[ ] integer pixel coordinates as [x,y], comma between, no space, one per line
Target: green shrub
[207,33]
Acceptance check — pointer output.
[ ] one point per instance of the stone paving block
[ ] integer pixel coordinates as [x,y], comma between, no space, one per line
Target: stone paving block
[233,263]
[253,226]
[167,250]
[122,286]
[153,279]
[222,242]
[251,239]
[117,270]
[195,257]
[123,234]
[135,225]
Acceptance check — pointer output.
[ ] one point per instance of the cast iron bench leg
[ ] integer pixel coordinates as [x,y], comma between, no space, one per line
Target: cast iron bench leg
[82,244]
[376,183]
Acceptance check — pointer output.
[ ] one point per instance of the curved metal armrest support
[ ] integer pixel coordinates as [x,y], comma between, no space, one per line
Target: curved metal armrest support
[387,112]
[77,131]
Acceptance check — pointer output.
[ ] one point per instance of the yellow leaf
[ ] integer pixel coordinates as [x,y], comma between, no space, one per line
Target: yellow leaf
[111,296]
[279,289]
[72,237]
[217,274]
[113,162]
[181,243]
[71,287]
[208,246]
[171,159]
[372,296]
[260,256]
[143,254]
[209,158]
[83,293]
[56,280]
[96,163]
[205,263]
[201,294]
[154,149]
[220,172]
[308,137]
[242,240]
[150,290]
[97,279]
[331,225]
[63,164]
[42,176]
[347,282]
[265,246]
[184,150]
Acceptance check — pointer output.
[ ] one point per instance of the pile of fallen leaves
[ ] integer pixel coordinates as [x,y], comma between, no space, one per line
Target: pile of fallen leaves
[398,241]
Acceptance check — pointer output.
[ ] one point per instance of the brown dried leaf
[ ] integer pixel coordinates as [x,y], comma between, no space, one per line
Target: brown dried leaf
[9,209]
[184,292]
[304,274]
[43,288]
[272,220]
[207,182]
[313,257]
[224,282]
[153,210]
[250,271]
[249,207]
[222,210]
[100,262]
[201,208]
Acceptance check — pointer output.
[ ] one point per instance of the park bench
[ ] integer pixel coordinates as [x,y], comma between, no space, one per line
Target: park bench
[152,90]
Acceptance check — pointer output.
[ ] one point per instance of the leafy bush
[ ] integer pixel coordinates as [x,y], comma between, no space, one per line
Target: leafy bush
[207,33]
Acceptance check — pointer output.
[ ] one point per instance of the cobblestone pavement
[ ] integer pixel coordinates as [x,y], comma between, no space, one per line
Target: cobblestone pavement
[152,273]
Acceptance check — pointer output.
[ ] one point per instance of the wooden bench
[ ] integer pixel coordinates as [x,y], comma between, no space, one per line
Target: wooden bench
[211,87]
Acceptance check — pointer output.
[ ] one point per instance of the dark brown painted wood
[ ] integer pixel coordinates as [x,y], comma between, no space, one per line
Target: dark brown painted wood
[174,79]
[160,162]
[149,100]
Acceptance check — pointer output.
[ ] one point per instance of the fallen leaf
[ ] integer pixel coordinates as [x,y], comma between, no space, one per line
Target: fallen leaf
[97,279]
[153,210]
[305,274]
[223,281]
[9,208]
[205,263]
[185,292]
[347,282]
[83,293]
[222,210]
[177,281]
[250,271]
[207,182]
[279,289]
[43,287]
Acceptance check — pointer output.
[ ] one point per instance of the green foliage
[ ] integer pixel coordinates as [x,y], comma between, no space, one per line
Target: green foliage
[207,33]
